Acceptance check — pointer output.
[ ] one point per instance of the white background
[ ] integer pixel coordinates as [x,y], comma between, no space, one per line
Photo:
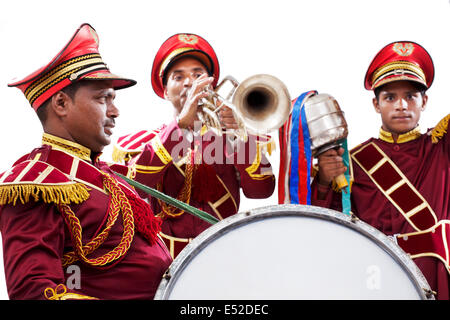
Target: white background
[325,45]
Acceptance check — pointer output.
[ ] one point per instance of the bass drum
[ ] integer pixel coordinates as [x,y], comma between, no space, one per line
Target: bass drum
[292,252]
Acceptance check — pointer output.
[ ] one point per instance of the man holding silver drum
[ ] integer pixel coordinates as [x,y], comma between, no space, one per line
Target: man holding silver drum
[401,180]
[186,160]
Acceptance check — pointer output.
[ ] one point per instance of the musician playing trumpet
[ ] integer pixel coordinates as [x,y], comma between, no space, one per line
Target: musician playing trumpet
[186,159]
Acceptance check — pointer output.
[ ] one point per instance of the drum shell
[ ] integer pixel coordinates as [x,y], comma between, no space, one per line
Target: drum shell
[276,269]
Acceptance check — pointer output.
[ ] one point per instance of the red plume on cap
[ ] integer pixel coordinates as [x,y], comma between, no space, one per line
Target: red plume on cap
[80,59]
[178,45]
[402,60]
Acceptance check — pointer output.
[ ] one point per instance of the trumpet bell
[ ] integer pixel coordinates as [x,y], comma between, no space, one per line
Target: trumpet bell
[263,101]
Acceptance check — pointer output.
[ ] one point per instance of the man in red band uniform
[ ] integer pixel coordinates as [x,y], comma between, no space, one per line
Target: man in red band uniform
[401,180]
[195,166]
[71,229]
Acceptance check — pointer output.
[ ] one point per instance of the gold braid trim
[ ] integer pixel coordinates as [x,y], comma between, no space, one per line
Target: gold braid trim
[70,147]
[402,138]
[398,65]
[268,146]
[160,150]
[118,203]
[119,155]
[256,163]
[184,195]
[90,247]
[60,293]
[58,194]
[440,129]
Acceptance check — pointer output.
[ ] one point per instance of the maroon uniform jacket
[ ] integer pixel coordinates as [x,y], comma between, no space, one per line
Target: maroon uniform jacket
[71,229]
[411,199]
[209,178]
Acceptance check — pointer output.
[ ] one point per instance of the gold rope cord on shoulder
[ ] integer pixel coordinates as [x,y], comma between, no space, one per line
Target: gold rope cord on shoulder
[118,203]
[184,195]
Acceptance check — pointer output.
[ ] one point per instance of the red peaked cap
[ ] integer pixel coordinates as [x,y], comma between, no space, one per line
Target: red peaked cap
[402,60]
[177,46]
[80,59]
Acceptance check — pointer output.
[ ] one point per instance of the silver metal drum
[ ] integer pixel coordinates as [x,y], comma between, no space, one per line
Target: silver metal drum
[292,252]
[326,122]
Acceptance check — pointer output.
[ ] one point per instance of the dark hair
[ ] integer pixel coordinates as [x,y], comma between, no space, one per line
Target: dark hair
[70,90]
[419,87]
[42,111]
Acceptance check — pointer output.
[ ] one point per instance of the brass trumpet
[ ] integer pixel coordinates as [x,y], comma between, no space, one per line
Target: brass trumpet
[261,103]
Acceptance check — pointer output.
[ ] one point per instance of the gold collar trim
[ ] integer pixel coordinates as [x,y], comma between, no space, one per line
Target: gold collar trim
[71,147]
[402,138]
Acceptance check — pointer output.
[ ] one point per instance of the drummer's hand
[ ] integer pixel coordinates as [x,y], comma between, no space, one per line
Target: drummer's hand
[227,119]
[331,165]
[192,95]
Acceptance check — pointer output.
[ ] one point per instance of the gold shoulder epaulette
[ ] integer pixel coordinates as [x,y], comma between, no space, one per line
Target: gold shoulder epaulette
[39,181]
[120,155]
[440,129]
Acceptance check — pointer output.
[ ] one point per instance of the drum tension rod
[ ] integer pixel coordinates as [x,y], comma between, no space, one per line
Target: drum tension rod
[167,275]
[429,293]
[353,217]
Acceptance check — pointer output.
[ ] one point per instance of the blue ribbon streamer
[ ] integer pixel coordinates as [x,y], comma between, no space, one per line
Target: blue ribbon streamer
[346,202]
[299,123]
[293,176]
[308,154]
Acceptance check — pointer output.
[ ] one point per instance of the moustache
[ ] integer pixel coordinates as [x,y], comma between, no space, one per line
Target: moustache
[110,122]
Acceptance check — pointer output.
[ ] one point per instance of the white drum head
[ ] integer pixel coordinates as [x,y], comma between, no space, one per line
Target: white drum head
[292,252]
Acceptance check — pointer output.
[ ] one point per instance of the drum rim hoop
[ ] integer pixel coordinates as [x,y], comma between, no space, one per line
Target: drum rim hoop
[241,218]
